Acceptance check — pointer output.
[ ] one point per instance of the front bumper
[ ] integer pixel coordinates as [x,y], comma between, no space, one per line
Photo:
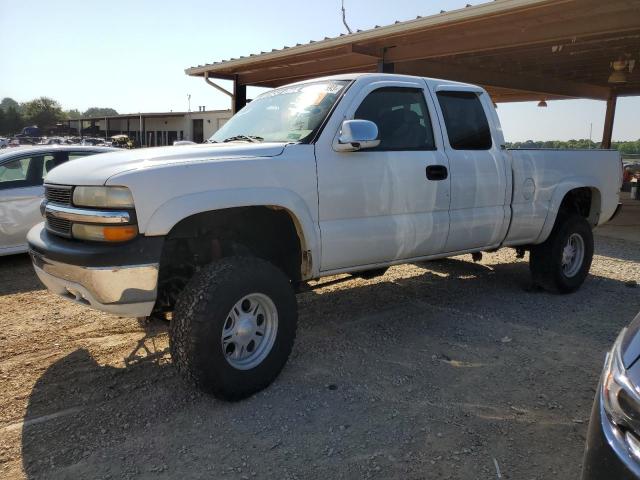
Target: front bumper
[120,279]
[607,455]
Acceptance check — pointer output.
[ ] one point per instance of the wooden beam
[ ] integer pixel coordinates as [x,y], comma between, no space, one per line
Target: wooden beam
[330,66]
[480,39]
[375,52]
[608,120]
[531,83]
[302,59]
[292,79]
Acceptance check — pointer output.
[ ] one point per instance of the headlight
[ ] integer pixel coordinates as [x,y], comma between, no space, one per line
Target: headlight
[103,197]
[102,233]
[621,400]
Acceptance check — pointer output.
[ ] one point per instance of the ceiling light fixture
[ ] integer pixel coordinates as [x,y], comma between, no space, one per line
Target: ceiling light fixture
[542,103]
[620,68]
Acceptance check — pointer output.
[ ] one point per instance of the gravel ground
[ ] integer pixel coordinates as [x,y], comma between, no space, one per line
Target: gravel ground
[446,369]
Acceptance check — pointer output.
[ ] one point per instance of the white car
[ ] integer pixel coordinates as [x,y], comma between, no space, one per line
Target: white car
[350,173]
[22,170]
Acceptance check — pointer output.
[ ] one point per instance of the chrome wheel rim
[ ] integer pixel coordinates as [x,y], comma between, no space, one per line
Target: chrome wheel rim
[572,255]
[249,331]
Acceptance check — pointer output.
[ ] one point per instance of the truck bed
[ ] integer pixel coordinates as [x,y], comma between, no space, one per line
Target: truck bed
[541,177]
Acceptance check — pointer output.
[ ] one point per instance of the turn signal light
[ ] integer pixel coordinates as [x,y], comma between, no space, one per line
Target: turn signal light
[119,234]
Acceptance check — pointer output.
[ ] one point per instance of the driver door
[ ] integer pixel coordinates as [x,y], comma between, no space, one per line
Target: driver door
[378,205]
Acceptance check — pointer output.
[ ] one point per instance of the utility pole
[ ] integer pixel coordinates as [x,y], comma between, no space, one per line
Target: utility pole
[344,18]
[190,124]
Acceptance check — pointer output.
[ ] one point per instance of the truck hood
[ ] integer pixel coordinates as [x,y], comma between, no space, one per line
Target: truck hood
[97,169]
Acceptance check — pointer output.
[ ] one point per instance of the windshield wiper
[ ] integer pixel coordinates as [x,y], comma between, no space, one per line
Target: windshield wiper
[248,138]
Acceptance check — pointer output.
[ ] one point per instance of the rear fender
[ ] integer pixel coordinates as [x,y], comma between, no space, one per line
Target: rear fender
[560,192]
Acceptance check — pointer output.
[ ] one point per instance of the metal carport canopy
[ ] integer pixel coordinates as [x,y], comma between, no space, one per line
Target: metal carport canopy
[517,49]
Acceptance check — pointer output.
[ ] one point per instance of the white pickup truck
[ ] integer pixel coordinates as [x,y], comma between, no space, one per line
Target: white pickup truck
[351,173]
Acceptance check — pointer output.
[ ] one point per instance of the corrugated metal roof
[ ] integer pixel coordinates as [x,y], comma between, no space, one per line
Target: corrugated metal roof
[467,13]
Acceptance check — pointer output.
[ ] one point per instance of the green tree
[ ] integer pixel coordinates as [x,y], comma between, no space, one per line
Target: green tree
[629,148]
[13,121]
[9,102]
[100,112]
[43,112]
[73,114]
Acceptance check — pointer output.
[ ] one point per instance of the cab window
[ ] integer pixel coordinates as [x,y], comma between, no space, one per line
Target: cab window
[402,117]
[465,120]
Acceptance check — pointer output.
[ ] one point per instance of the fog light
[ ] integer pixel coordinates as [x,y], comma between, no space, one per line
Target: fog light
[101,233]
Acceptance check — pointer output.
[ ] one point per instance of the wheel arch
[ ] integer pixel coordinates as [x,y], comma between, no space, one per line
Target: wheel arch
[581,195]
[168,215]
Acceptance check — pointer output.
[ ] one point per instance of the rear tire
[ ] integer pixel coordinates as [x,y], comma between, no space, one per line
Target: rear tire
[216,342]
[561,264]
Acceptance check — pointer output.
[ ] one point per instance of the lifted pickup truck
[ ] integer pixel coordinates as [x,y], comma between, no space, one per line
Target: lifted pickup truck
[351,173]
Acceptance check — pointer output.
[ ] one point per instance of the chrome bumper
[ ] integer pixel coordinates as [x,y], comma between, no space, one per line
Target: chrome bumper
[129,291]
[624,444]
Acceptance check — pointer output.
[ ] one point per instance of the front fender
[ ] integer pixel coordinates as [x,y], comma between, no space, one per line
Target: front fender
[557,197]
[167,215]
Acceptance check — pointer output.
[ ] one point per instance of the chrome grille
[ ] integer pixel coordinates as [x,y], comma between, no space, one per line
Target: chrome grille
[58,194]
[59,226]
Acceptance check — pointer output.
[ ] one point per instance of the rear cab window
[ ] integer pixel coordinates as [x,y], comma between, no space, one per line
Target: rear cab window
[465,120]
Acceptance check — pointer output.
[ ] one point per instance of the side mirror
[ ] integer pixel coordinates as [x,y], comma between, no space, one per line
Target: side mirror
[357,135]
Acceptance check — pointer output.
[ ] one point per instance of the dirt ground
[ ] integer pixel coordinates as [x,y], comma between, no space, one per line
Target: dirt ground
[439,370]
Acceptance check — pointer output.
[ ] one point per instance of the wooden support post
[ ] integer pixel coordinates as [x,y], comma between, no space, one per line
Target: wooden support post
[608,120]
[239,96]
[386,67]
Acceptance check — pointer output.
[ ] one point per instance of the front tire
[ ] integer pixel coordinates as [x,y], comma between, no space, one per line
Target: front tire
[233,327]
[561,263]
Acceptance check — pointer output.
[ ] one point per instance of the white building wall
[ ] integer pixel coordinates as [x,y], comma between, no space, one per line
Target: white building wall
[160,130]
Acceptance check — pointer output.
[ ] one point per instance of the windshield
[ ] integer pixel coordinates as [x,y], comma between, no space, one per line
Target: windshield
[288,114]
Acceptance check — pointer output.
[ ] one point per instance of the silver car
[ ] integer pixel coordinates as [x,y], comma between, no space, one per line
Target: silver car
[22,170]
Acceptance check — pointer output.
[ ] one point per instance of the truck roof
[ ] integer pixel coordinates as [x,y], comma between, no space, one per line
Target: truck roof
[436,82]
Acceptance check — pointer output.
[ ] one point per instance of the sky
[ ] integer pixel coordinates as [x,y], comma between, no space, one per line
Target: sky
[131,55]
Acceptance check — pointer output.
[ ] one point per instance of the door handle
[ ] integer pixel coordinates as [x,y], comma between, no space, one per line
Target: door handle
[437,172]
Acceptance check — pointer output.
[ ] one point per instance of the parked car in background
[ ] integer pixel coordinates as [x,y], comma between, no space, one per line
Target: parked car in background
[613,442]
[53,141]
[22,170]
[4,142]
